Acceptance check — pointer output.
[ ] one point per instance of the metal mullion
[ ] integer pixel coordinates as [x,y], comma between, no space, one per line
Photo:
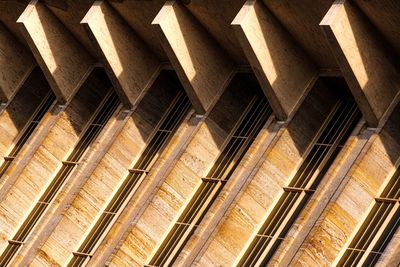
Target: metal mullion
[393,186]
[194,222]
[344,123]
[171,241]
[177,104]
[84,143]
[181,115]
[177,247]
[329,150]
[232,132]
[242,143]
[36,114]
[282,225]
[58,180]
[250,121]
[156,128]
[370,219]
[309,169]
[92,118]
[379,233]
[170,108]
[103,103]
[255,254]
[23,137]
[9,254]
[287,198]
[20,143]
[23,232]
[156,151]
[175,112]
[198,200]
[358,244]
[149,152]
[208,201]
[283,216]
[381,248]
[377,225]
[337,120]
[242,148]
[95,229]
[317,136]
[230,163]
[347,123]
[124,193]
[109,110]
[324,149]
[101,231]
[265,231]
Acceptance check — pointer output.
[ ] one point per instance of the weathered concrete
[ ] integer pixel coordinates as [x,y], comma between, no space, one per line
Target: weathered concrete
[100,186]
[339,222]
[37,174]
[281,160]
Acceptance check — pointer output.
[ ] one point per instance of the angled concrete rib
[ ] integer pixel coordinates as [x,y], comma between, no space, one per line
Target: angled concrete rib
[62,58]
[282,68]
[16,63]
[132,66]
[200,63]
[365,61]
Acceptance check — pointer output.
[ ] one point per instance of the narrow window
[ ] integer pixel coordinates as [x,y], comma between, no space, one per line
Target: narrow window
[28,130]
[241,137]
[163,133]
[100,118]
[328,143]
[378,228]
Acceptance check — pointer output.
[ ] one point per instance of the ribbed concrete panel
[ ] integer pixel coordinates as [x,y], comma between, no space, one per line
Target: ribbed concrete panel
[282,159]
[47,159]
[101,184]
[14,117]
[349,208]
[158,215]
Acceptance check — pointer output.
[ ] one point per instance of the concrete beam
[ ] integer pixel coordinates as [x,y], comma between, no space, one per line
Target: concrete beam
[132,66]
[201,64]
[65,63]
[366,61]
[282,68]
[16,63]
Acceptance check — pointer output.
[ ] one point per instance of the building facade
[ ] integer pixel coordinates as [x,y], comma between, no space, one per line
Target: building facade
[199,133]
